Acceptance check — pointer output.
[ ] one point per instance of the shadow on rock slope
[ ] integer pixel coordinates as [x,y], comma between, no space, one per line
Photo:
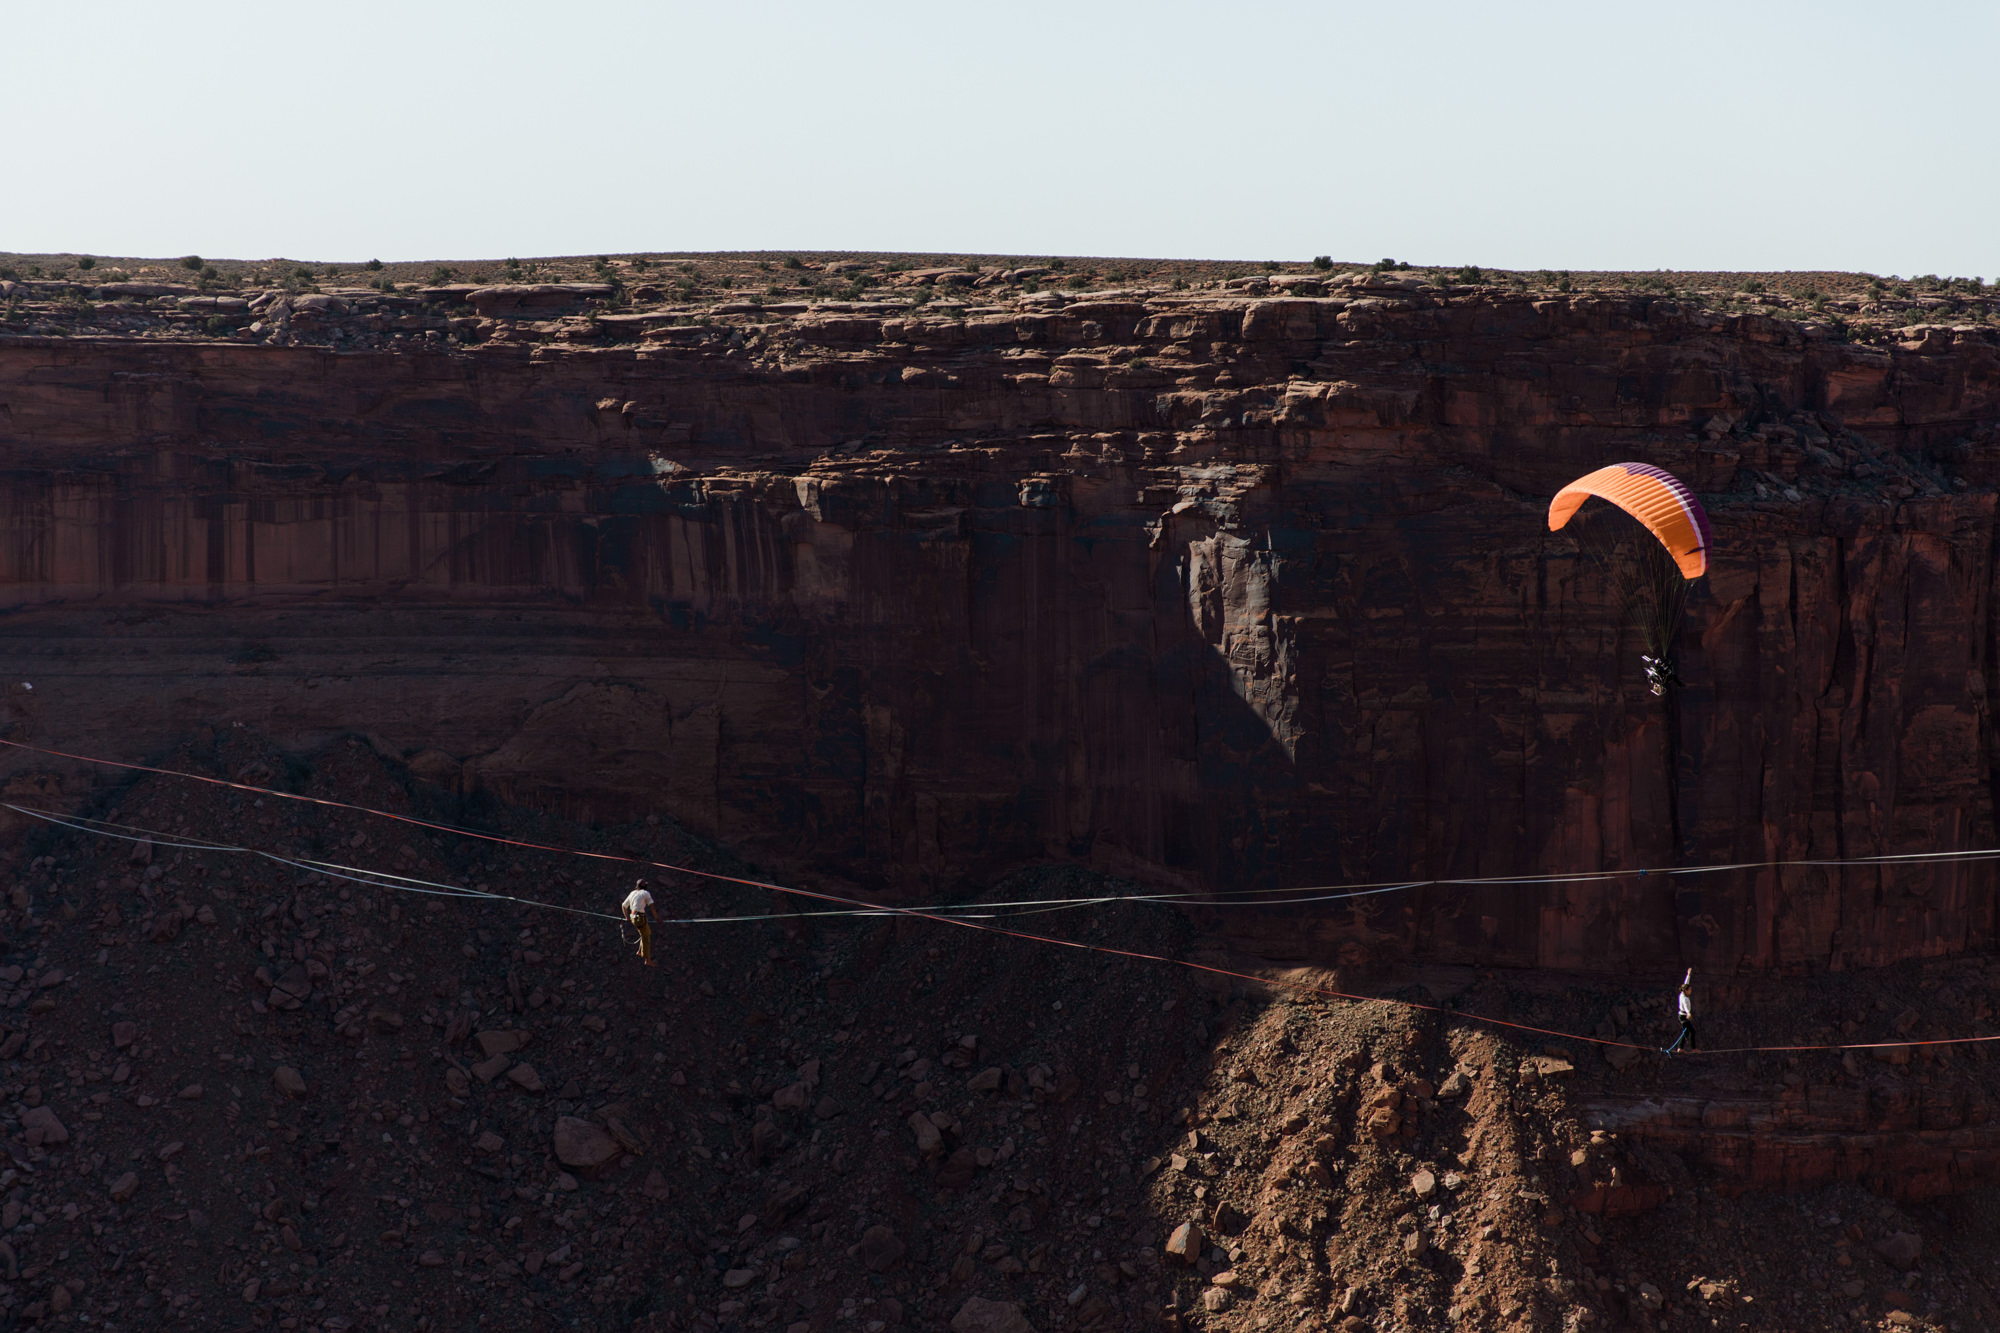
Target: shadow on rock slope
[239,1096]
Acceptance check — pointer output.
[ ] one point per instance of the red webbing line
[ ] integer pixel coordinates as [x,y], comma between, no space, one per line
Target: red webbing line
[963,924]
[344,805]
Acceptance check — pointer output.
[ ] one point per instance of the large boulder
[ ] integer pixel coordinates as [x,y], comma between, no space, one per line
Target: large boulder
[319,304]
[1901,1250]
[112,291]
[291,990]
[42,1126]
[500,1041]
[581,1143]
[536,298]
[881,1249]
[980,1315]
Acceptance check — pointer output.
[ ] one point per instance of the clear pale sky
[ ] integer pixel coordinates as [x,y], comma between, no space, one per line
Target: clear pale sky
[1673,134]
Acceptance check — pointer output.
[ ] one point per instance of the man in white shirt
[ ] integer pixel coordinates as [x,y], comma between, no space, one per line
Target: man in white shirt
[1687,1014]
[639,911]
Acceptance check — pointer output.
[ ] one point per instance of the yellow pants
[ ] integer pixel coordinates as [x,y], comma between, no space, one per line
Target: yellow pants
[645,928]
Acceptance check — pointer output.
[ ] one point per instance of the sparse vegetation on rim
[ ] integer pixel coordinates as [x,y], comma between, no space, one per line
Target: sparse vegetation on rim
[674,287]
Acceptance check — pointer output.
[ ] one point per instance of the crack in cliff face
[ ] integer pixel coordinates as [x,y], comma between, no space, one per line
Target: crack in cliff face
[1235,594]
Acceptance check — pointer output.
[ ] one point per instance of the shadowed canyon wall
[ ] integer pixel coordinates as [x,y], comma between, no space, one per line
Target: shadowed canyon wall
[1227,595]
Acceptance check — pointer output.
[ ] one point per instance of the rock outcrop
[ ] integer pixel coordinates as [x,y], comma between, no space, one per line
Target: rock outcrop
[1228,594]
[1897,1138]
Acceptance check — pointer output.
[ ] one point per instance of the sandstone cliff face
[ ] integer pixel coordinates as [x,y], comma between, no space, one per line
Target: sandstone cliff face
[1226,595]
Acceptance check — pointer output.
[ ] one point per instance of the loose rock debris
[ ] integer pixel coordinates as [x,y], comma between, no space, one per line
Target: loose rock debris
[312,1107]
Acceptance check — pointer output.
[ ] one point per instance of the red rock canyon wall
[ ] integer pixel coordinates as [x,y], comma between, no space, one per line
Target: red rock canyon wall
[1226,595]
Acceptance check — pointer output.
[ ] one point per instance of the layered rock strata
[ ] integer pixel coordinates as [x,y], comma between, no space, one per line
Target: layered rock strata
[1231,595]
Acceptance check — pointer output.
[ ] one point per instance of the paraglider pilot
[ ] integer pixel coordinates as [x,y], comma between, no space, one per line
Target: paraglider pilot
[638,909]
[1660,673]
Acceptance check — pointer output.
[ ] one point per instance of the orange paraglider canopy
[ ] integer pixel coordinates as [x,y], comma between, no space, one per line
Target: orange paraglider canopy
[1656,498]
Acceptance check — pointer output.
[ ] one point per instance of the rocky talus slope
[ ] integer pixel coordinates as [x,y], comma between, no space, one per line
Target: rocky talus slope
[236,1096]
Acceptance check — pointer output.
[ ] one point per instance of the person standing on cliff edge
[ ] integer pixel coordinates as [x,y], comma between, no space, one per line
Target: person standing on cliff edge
[638,909]
[1687,1015]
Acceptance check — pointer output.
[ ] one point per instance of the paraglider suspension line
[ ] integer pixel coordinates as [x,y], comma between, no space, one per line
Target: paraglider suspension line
[1648,581]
